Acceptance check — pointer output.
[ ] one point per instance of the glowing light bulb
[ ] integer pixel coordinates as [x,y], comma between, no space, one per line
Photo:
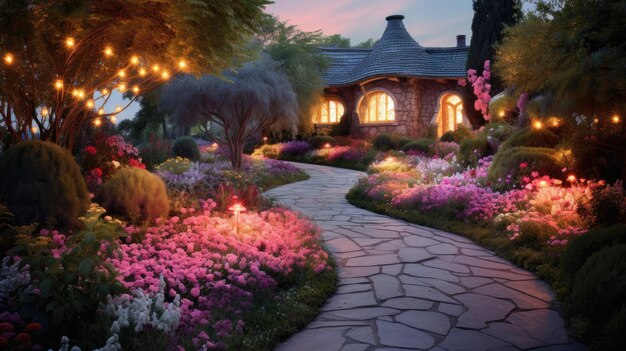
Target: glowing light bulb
[156,68]
[390,159]
[327,145]
[34,130]
[89,103]
[142,72]
[165,75]
[182,64]
[537,125]
[121,73]
[75,92]
[136,90]
[8,59]
[615,119]
[501,113]
[108,51]
[100,111]
[121,87]
[113,119]
[97,122]
[543,183]
[571,178]
[134,59]
[118,108]
[104,91]
[595,120]
[44,111]
[81,93]
[58,84]
[70,42]
[264,138]
[555,122]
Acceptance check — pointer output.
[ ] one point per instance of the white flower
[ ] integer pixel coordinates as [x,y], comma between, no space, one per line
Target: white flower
[115,164]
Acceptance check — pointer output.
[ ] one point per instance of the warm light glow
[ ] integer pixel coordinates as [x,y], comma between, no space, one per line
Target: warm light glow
[595,120]
[543,183]
[97,122]
[78,93]
[108,51]
[89,103]
[165,75]
[70,42]
[390,159]
[182,64]
[118,108]
[555,122]
[142,72]
[237,208]
[134,59]
[34,130]
[264,138]
[615,119]
[156,68]
[571,178]
[121,87]
[8,58]
[136,89]
[501,113]
[327,145]
[121,73]
[44,111]
[104,91]
[537,125]
[113,119]
[100,111]
[58,84]
[380,107]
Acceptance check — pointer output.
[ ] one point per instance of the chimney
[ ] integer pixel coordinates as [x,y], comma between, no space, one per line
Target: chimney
[394,17]
[460,41]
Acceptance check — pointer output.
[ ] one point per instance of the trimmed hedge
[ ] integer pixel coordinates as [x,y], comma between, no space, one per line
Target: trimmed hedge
[419,145]
[384,142]
[507,162]
[186,147]
[530,137]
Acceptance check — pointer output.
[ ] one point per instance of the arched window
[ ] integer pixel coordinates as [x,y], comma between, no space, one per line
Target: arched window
[328,111]
[378,107]
[450,113]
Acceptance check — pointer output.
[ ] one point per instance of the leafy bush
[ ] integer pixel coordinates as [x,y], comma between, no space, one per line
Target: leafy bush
[176,165]
[269,151]
[384,142]
[531,137]
[458,135]
[608,204]
[294,149]
[136,194]
[401,141]
[473,149]
[186,147]
[535,235]
[582,247]
[443,148]
[614,330]
[422,145]
[511,164]
[599,288]
[41,182]
[155,152]
[319,141]
[343,127]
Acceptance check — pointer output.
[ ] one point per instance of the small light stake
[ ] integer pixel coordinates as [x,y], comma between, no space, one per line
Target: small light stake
[237,208]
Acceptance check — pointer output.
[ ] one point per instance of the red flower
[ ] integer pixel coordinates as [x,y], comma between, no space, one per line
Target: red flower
[6,326]
[135,163]
[33,327]
[22,338]
[523,165]
[97,172]
[91,150]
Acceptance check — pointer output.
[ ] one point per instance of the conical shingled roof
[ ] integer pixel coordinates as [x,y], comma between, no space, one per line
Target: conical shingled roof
[395,54]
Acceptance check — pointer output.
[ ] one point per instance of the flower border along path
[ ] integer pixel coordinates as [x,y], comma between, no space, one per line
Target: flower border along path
[404,286]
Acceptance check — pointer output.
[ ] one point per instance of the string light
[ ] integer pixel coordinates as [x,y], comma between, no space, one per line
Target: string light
[118,108]
[121,87]
[113,119]
[165,75]
[615,119]
[70,42]
[34,130]
[58,84]
[537,125]
[108,51]
[89,103]
[555,122]
[104,91]
[44,111]
[182,64]
[101,111]
[136,90]
[156,68]
[121,73]
[142,72]
[134,60]
[78,93]
[8,58]
[97,122]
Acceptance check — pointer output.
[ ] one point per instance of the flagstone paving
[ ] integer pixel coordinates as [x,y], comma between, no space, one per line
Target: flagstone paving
[408,287]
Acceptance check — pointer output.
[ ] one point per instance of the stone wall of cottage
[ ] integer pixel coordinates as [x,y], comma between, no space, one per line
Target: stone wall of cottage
[416,102]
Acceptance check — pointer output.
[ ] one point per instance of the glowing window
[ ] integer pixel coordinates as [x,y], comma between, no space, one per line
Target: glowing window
[451,114]
[328,111]
[378,107]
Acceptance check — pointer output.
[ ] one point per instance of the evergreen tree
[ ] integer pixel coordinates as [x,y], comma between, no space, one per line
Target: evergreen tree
[490,19]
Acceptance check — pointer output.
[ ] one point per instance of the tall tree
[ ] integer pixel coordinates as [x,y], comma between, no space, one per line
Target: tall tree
[245,102]
[490,19]
[574,52]
[63,58]
[336,40]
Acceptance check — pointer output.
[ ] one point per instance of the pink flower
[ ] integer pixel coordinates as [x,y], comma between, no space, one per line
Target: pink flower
[523,165]
[91,150]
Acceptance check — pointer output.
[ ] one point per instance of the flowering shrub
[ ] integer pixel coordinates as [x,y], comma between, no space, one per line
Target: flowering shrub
[216,271]
[481,87]
[294,149]
[444,149]
[107,154]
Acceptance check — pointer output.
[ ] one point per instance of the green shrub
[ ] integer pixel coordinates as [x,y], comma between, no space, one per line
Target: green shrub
[499,131]
[155,152]
[458,135]
[473,149]
[343,127]
[384,142]
[136,194]
[534,235]
[422,145]
[507,162]
[599,288]
[319,141]
[268,150]
[614,330]
[176,165]
[41,182]
[186,147]
[447,136]
[531,137]
[582,247]
[607,205]
[401,141]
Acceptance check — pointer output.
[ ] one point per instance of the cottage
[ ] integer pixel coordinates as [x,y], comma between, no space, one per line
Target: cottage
[397,87]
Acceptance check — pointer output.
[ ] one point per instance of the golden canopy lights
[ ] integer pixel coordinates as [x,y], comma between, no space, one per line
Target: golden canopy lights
[134,60]
[121,73]
[108,51]
[44,111]
[165,75]
[89,103]
[113,119]
[156,68]
[118,108]
[58,84]
[100,111]
[182,64]
[97,122]
[104,91]
[121,87]
[70,42]
[8,59]
[615,119]
[537,125]
[78,93]
[136,90]
[142,72]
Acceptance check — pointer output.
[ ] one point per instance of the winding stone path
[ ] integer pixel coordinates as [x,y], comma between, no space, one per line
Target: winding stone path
[407,287]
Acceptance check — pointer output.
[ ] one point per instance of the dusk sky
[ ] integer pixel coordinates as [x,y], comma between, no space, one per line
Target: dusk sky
[430,22]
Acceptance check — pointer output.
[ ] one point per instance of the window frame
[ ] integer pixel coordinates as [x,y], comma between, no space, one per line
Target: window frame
[365,105]
[325,102]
